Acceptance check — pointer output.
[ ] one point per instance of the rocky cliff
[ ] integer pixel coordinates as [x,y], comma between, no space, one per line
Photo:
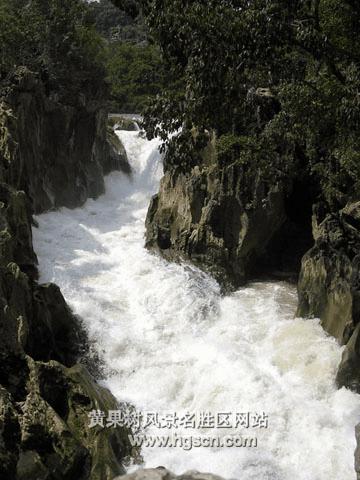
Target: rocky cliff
[51,155]
[59,152]
[238,226]
[226,218]
[329,284]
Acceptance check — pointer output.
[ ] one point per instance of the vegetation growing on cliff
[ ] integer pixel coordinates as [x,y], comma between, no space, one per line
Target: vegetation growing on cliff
[286,75]
[56,40]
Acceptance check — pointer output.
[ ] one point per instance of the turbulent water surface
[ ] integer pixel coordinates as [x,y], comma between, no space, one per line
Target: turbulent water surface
[173,344]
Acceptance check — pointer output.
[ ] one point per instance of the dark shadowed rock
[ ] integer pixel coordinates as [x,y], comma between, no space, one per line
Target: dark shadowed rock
[51,155]
[59,153]
[117,160]
[357,452]
[203,214]
[348,374]
[329,284]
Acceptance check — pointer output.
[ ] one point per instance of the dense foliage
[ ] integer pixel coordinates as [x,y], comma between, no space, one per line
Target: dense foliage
[54,39]
[135,73]
[75,45]
[277,80]
[117,25]
[134,66]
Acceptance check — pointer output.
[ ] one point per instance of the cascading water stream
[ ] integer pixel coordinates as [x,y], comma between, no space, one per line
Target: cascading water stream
[172,343]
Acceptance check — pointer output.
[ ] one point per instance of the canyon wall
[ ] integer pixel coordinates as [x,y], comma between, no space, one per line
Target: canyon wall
[239,227]
[51,155]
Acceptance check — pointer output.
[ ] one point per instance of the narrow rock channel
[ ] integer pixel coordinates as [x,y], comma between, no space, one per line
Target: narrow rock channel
[172,343]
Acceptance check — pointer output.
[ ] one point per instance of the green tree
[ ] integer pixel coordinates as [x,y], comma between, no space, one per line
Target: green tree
[284,74]
[135,74]
[55,39]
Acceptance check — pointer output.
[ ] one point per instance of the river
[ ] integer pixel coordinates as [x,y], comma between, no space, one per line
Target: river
[171,342]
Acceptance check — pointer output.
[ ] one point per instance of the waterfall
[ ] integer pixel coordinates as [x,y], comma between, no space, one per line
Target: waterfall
[172,343]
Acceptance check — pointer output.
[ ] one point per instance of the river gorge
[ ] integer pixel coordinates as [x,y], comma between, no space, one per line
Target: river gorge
[170,341]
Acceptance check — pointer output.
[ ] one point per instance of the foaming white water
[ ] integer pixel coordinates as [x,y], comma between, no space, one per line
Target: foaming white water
[173,343]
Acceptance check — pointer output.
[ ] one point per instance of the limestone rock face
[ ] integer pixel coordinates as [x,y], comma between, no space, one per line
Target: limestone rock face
[325,290]
[329,284]
[15,229]
[51,155]
[44,405]
[161,473]
[59,152]
[205,215]
[117,160]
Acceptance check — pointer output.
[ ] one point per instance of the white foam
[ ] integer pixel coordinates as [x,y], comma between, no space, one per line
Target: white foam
[175,344]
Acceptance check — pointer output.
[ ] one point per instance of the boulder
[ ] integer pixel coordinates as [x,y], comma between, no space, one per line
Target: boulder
[117,160]
[161,473]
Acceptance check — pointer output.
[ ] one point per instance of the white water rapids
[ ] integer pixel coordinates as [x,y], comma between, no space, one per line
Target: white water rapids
[172,343]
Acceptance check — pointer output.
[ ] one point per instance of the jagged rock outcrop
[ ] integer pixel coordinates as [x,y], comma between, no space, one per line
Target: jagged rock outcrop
[161,473]
[44,404]
[329,284]
[50,155]
[213,215]
[117,158]
[59,153]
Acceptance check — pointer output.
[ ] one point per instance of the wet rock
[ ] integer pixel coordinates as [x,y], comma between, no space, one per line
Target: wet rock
[205,215]
[117,160]
[348,374]
[56,333]
[325,290]
[51,155]
[54,423]
[44,404]
[357,452]
[161,473]
[329,284]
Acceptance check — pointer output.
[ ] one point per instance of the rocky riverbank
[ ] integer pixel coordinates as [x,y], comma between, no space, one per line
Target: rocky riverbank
[52,155]
[229,219]
[239,229]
